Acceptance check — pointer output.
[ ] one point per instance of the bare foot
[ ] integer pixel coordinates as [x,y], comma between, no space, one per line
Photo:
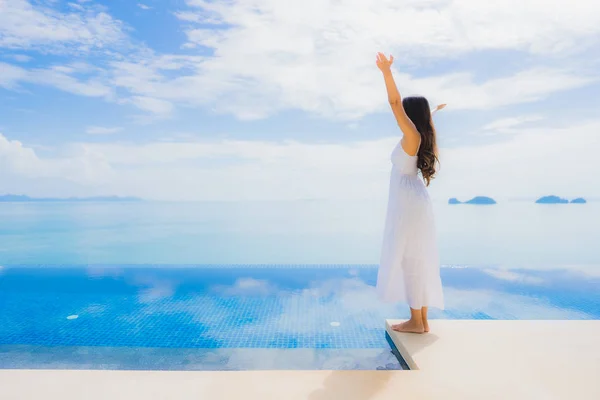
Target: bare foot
[409,326]
[426,326]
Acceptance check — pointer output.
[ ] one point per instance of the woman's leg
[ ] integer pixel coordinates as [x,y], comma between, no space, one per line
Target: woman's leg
[414,324]
[424,317]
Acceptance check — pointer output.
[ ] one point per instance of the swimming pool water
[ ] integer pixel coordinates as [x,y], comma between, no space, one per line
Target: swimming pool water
[222,317]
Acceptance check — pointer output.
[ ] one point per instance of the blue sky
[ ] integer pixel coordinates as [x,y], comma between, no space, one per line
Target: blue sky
[272,99]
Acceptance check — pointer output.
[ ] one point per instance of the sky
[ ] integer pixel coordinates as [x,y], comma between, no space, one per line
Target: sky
[239,100]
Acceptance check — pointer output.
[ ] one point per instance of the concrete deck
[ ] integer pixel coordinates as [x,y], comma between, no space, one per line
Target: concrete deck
[507,359]
[459,360]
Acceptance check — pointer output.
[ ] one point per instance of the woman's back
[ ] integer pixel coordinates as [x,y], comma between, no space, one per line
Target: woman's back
[404,163]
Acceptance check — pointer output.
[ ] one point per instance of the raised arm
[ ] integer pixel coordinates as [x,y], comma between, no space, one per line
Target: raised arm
[411,136]
[438,108]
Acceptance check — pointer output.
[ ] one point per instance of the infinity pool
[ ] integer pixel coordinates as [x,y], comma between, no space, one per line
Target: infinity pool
[223,317]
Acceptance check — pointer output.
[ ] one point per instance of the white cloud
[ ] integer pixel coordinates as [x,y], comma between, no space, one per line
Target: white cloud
[535,162]
[60,77]
[21,58]
[10,75]
[76,6]
[188,16]
[508,124]
[277,55]
[153,105]
[24,25]
[459,90]
[254,90]
[271,56]
[18,162]
[144,6]
[83,79]
[102,130]
[433,28]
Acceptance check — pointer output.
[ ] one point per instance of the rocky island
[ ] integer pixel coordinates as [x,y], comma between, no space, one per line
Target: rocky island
[551,200]
[579,200]
[479,200]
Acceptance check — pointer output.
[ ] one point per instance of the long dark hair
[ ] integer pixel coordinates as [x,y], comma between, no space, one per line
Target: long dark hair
[417,109]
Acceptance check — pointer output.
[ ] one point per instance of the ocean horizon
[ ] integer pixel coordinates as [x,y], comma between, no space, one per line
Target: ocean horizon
[287,232]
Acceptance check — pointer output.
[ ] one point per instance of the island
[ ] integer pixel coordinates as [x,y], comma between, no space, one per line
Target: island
[579,200]
[13,198]
[551,200]
[478,200]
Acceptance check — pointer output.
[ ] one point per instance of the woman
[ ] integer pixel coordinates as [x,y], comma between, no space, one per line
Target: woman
[409,268]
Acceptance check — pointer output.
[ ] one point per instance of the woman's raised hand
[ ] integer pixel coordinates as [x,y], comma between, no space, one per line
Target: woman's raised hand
[383,63]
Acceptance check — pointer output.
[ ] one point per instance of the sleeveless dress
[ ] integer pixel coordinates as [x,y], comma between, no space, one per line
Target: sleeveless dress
[409,269]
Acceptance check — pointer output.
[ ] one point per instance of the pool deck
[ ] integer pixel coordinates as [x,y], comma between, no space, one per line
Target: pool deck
[460,359]
[506,359]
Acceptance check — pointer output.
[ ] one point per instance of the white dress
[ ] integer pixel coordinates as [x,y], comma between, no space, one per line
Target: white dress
[409,269]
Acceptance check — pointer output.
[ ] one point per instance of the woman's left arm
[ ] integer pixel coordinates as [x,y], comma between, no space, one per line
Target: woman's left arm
[438,108]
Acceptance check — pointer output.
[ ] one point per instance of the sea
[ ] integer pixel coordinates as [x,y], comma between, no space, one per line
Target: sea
[513,233]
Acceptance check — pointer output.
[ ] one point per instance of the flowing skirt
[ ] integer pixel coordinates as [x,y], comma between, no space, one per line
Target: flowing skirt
[409,269]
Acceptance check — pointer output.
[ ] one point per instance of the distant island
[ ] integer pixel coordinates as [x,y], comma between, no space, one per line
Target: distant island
[13,198]
[551,200]
[579,200]
[479,200]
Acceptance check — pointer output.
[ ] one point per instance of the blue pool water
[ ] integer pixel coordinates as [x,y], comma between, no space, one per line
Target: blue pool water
[224,317]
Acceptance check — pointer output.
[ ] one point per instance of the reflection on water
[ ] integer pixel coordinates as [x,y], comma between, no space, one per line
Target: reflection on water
[212,309]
